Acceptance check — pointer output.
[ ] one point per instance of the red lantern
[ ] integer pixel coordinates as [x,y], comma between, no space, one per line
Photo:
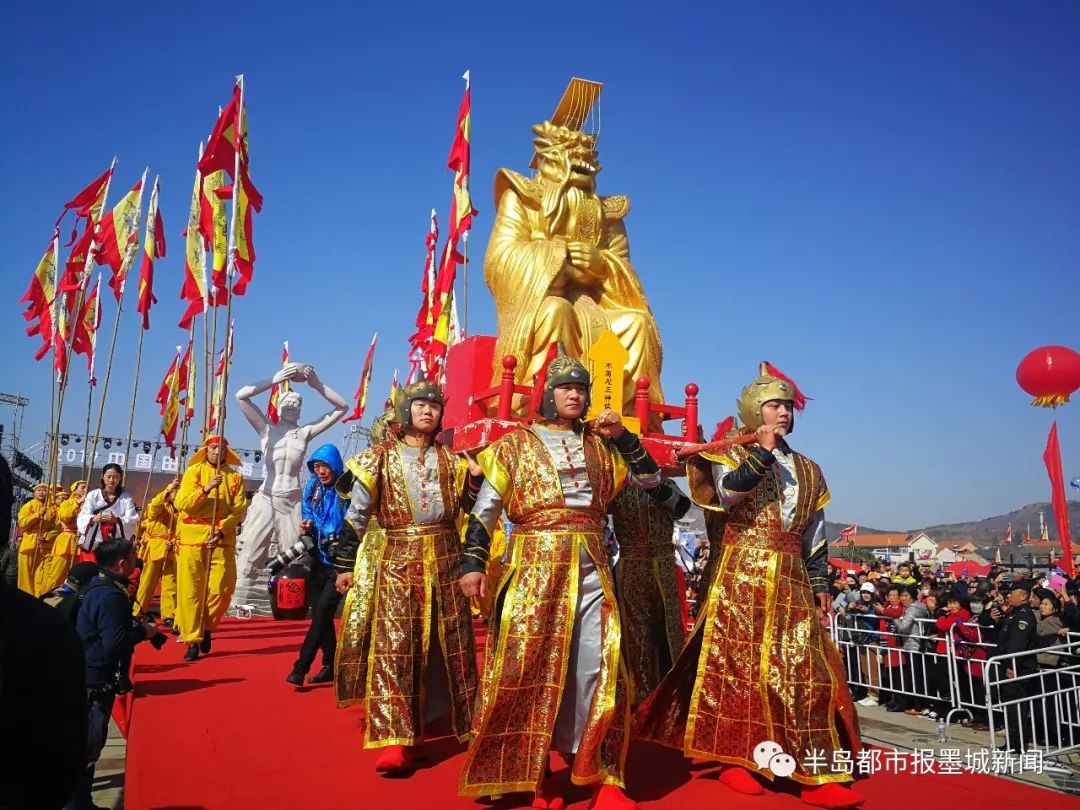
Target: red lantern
[1050,374]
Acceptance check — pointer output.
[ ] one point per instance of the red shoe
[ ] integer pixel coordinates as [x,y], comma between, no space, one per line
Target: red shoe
[548,800]
[394,759]
[611,797]
[741,781]
[832,796]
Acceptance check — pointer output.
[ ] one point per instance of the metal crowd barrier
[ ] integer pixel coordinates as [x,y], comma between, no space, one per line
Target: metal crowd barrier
[1037,710]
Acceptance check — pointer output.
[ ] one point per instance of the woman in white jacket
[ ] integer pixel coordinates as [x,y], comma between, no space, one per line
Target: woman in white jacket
[106,512]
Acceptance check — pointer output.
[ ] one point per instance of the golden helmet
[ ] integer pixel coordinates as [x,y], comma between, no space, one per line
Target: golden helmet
[771,384]
[380,428]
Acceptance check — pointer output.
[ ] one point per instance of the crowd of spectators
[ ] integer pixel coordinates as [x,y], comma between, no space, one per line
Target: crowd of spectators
[894,626]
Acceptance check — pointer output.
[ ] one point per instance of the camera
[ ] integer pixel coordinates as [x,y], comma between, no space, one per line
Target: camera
[305,545]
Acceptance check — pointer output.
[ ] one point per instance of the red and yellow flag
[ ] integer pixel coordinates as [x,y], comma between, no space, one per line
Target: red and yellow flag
[117,236]
[74,273]
[213,225]
[89,202]
[362,388]
[39,298]
[395,389]
[425,317]
[459,163]
[217,400]
[153,249]
[221,149]
[168,397]
[60,338]
[84,341]
[186,380]
[248,199]
[194,289]
[278,389]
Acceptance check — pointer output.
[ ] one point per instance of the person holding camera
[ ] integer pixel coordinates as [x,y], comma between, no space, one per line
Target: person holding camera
[109,635]
[322,512]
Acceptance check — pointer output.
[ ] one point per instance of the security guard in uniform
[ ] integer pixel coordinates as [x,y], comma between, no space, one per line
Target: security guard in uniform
[1016,636]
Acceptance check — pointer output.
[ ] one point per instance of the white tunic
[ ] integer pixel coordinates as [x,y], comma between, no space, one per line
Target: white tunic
[95,504]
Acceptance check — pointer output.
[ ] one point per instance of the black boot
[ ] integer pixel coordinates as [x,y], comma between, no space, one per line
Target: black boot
[296,677]
[204,645]
[192,652]
[324,675]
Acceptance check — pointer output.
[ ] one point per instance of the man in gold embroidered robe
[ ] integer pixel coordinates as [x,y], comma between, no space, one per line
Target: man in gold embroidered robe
[552,672]
[759,675]
[558,264]
[648,590]
[420,656]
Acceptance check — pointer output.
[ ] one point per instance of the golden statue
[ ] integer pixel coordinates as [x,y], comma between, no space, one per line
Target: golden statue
[558,262]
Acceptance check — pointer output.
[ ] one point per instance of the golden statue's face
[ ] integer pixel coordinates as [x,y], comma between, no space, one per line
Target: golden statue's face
[565,153]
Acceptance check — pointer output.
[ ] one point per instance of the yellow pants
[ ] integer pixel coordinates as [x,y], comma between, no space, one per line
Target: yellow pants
[155,571]
[29,562]
[193,615]
[52,573]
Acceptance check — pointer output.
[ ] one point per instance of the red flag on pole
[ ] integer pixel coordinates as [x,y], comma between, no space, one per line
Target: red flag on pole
[194,289]
[459,163]
[365,380]
[153,249]
[89,202]
[39,298]
[221,148]
[168,397]
[1052,459]
[84,341]
[118,233]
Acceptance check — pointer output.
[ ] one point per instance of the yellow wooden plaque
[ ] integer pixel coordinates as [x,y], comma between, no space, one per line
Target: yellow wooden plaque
[606,361]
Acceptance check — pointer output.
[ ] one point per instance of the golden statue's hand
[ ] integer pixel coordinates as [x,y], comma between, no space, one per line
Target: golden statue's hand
[587,258]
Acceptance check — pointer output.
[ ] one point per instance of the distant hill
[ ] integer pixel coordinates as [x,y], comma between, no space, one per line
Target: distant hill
[988,530]
[992,529]
[832,530]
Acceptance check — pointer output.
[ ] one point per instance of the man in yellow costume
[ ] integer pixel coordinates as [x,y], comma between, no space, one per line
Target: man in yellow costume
[760,686]
[407,645]
[158,534]
[552,673]
[54,570]
[649,601]
[210,504]
[37,521]
[558,260]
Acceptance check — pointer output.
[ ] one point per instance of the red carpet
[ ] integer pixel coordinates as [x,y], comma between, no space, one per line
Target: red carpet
[227,733]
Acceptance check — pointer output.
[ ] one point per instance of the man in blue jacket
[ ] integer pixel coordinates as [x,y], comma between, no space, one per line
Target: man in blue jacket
[322,514]
[109,634]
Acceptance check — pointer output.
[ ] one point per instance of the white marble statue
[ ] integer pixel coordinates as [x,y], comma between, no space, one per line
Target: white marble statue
[274,513]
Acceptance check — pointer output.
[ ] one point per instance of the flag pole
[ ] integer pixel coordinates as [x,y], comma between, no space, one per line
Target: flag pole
[465,282]
[125,267]
[88,271]
[231,274]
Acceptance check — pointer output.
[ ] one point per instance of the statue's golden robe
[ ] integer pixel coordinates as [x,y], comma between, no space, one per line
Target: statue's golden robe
[648,590]
[535,307]
[405,583]
[530,633]
[758,666]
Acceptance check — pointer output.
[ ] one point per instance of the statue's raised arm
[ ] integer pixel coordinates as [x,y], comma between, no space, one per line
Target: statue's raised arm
[252,412]
[326,421]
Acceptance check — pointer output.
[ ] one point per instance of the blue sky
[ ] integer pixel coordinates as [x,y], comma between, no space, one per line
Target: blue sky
[881,199]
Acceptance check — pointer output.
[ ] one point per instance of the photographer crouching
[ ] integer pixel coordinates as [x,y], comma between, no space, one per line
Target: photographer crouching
[109,635]
[322,513]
